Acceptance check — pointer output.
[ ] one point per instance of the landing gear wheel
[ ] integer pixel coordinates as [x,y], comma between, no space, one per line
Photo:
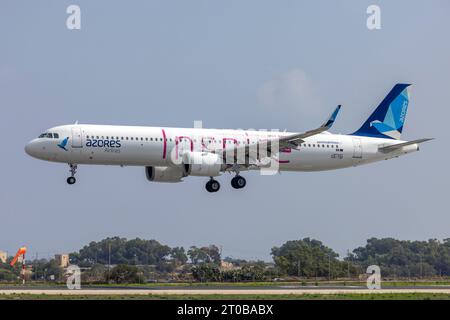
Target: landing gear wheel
[238,182]
[73,171]
[212,185]
[71,180]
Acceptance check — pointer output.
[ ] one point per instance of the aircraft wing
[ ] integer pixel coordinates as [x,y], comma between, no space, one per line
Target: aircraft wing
[294,140]
[403,144]
[291,141]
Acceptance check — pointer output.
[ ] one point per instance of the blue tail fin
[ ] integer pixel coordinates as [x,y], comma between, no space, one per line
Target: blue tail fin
[388,118]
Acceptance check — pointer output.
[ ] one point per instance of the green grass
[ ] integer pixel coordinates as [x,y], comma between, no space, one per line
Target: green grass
[284,283]
[243,284]
[345,296]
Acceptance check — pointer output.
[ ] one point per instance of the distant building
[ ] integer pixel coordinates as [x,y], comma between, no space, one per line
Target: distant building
[3,256]
[224,265]
[62,260]
[27,272]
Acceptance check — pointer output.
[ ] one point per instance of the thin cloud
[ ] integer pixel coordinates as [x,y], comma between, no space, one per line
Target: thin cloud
[291,92]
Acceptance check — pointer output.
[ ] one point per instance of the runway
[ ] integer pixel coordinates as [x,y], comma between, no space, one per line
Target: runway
[219,291]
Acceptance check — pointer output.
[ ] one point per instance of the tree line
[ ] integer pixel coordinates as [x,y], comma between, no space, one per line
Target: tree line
[121,260]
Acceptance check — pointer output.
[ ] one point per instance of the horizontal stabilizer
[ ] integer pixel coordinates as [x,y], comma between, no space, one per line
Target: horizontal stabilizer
[401,145]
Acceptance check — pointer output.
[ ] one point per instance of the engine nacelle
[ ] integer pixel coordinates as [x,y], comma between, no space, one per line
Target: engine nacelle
[164,174]
[203,164]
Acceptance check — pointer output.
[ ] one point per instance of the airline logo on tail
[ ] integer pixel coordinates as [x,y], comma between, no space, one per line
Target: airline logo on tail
[389,117]
[395,117]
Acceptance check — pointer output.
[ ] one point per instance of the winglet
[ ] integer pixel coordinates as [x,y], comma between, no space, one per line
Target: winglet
[332,118]
[299,137]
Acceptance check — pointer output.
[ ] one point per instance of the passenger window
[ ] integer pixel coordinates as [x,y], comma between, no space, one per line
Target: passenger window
[131,138]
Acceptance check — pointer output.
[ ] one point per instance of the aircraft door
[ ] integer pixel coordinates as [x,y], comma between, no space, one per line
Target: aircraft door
[357,148]
[77,141]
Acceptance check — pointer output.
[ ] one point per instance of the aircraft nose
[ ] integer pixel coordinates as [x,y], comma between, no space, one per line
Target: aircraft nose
[30,148]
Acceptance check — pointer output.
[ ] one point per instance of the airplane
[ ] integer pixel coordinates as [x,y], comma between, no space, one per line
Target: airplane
[172,154]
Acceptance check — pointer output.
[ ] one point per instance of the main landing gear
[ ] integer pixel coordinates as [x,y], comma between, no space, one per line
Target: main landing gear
[238,182]
[212,185]
[73,170]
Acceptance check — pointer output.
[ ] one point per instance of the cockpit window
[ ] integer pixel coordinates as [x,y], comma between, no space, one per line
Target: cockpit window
[49,135]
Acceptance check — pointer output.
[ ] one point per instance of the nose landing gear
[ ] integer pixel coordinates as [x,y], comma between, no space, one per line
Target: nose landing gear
[73,171]
[71,180]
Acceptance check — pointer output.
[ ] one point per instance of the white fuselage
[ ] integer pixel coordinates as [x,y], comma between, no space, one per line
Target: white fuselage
[155,146]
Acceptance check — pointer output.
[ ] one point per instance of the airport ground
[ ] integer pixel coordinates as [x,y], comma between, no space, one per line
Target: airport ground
[429,290]
[305,296]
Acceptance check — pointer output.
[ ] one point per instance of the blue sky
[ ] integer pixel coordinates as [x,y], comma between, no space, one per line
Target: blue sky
[231,64]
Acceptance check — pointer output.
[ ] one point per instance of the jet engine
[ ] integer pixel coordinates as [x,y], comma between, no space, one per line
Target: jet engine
[164,174]
[203,164]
